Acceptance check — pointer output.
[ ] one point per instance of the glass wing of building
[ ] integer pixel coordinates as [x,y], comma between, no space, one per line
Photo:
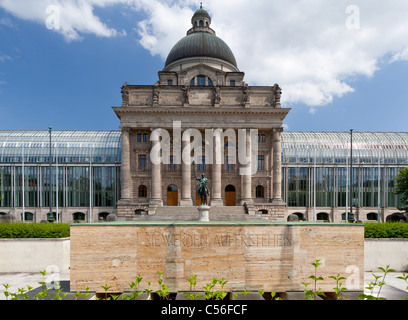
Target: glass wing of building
[85,168]
[315,169]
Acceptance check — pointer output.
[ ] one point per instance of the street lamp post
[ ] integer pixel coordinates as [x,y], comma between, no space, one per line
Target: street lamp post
[50,179]
[351,173]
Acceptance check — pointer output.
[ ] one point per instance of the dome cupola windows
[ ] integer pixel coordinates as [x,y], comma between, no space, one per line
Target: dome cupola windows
[201,22]
[201,81]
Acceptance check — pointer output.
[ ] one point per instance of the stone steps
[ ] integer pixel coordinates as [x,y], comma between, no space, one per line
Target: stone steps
[190,213]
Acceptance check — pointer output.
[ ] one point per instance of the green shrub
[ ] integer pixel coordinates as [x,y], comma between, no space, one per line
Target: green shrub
[386,230]
[34,230]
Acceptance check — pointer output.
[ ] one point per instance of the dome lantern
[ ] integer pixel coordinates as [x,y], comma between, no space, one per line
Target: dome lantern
[201,44]
[201,20]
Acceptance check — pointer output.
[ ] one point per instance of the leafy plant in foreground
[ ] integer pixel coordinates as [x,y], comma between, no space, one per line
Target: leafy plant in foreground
[377,283]
[338,289]
[163,293]
[405,278]
[313,293]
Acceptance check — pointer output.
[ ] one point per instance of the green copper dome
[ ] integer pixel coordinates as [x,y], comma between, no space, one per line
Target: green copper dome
[201,44]
[201,41]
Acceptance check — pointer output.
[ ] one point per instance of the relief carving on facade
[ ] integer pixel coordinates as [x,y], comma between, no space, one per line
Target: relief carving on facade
[186,90]
[246,99]
[125,94]
[156,94]
[216,96]
[277,93]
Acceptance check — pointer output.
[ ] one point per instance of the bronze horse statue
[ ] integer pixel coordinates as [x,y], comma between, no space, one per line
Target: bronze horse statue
[202,189]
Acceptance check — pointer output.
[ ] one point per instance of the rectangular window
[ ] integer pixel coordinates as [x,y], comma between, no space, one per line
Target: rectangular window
[169,82]
[172,165]
[145,137]
[142,162]
[261,163]
[201,166]
[232,83]
[297,187]
[261,138]
[104,186]
[139,137]
[230,164]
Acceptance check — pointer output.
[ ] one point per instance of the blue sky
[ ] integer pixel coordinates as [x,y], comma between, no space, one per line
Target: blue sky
[47,78]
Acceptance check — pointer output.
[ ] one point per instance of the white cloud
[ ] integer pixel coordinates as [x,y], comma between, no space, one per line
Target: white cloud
[308,47]
[74,17]
[400,56]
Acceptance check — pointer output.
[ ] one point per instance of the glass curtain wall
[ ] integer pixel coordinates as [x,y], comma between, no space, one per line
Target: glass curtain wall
[6,189]
[321,162]
[74,153]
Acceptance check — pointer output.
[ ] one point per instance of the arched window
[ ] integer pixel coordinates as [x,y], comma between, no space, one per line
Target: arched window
[28,216]
[372,216]
[77,216]
[201,23]
[142,191]
[323,216]
[201,81]
[102,216]
[172,188]
[260,192]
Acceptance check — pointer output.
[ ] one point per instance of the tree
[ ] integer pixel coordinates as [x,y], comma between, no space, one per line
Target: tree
[401,188]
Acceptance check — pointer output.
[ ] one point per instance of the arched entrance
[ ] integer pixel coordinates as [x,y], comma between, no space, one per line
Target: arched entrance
[230,196]
[172,196]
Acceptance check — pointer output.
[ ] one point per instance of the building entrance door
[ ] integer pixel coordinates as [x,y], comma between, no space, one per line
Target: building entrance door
[230,196]
[172,196]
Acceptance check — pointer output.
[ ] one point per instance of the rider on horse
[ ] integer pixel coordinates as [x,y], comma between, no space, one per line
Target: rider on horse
[202,188]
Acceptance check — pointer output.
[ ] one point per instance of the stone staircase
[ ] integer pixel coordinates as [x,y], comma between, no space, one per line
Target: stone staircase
[190,213]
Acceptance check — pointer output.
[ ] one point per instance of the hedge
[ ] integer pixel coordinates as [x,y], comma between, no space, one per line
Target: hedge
[34,230]
[386,230]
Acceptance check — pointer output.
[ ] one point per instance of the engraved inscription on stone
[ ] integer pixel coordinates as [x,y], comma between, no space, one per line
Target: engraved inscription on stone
[186,239]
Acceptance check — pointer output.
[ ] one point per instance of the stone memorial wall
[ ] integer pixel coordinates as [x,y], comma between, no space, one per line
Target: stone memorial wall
[252,256]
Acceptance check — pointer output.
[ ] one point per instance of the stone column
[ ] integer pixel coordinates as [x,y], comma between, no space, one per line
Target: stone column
[185,176]
[218,155]
[277,166]
[156,197]
[125,154]
[247,176]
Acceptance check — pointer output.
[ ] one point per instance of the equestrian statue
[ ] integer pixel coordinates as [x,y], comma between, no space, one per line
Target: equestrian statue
[202,189]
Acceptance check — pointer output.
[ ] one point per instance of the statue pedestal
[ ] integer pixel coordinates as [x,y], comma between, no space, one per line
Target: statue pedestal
[203,213]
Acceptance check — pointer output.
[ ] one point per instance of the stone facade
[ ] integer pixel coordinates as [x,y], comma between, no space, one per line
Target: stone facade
[201,94]
[270,256]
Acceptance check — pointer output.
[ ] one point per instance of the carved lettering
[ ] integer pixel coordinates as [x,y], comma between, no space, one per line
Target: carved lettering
[189,240]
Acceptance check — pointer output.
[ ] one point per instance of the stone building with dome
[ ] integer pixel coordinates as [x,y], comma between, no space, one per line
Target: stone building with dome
[202,88]
[91,176]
